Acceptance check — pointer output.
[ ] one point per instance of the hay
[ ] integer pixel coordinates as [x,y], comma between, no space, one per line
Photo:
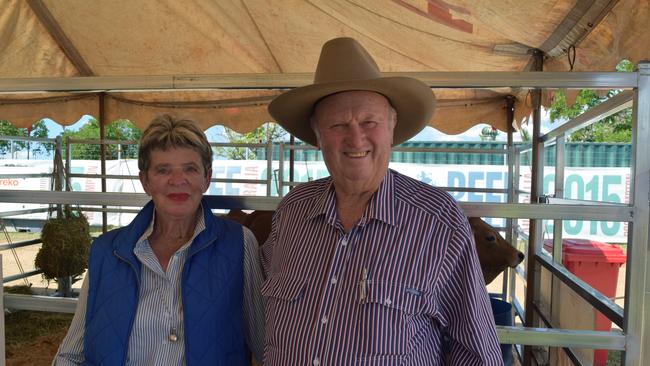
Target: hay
[66,240]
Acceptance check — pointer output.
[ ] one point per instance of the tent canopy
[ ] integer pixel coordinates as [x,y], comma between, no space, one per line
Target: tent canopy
[244,38]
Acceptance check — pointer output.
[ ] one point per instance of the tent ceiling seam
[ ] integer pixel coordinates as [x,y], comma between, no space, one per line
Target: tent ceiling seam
[54,29]
[259,32]
[577,24]
[382,43]
[224,103]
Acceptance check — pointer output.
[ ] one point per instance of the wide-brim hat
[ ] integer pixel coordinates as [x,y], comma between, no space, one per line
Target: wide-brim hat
[344,65]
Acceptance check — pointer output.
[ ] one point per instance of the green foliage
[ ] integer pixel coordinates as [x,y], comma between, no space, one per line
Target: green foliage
[121,130]
[66,241]
[259,135]
[615,128]
[39,130]
[488,134]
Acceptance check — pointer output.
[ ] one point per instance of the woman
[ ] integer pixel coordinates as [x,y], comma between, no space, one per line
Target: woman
[177,286]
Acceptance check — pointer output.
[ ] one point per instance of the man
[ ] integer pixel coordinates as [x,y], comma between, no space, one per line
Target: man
[369,266]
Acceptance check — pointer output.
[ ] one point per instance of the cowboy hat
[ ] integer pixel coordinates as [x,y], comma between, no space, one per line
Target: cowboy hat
[344,65]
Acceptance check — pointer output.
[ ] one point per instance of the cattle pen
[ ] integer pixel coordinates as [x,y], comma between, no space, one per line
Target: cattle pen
[501,63]
[537,329]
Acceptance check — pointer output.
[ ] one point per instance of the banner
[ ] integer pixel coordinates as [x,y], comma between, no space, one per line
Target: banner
[594,184]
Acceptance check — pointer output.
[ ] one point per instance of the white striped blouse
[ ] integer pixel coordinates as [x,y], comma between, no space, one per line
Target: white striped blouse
[157,336]
[388,292]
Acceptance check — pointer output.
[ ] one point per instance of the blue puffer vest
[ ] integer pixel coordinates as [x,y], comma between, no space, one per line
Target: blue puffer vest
[212,290]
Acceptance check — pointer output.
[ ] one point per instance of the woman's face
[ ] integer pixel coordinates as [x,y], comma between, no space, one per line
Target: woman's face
[176,181]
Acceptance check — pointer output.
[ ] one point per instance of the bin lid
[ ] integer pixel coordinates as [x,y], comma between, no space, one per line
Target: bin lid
[584,250]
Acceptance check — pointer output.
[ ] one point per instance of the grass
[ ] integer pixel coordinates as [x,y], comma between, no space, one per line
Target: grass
[24,326]
[614,358]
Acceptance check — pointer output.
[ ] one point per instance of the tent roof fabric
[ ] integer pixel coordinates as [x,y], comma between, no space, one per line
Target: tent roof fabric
[68,38]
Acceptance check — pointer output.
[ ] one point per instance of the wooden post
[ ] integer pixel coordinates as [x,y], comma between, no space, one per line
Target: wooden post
[2,318]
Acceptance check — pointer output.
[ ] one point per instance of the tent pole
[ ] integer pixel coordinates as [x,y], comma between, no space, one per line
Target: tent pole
[508,282]
[292,157]
[102,153]
[535,231]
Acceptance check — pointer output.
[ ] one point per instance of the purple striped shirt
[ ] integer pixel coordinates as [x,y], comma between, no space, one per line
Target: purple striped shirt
[384,293]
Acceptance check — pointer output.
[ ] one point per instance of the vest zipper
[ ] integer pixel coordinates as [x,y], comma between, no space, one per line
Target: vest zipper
[137,300]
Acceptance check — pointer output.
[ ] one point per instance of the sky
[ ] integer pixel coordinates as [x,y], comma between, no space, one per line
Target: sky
[215,133]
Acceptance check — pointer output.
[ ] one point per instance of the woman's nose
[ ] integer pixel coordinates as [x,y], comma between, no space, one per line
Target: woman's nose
[177,177]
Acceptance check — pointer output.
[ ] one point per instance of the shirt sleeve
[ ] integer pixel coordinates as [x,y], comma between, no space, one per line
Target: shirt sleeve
[71,350]
[465,305]
[254,303]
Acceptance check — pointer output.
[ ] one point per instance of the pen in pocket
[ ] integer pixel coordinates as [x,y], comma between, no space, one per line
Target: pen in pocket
[362,284]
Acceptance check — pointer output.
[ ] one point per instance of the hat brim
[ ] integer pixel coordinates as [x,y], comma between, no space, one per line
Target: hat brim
[412,99]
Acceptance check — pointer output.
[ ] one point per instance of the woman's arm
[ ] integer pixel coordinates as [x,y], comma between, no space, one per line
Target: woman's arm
[71,350]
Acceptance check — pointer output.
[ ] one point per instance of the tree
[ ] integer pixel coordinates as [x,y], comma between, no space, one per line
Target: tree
[260,135]
[615,128]
[38,130]
[489,133]
[122,130]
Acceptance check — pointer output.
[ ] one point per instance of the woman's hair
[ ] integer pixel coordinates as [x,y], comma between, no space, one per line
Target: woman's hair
[166,132]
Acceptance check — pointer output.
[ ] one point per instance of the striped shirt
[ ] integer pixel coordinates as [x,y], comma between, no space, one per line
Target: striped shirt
[388,292]
[160,310]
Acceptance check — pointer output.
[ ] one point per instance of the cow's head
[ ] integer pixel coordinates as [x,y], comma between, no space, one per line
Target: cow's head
[494,253]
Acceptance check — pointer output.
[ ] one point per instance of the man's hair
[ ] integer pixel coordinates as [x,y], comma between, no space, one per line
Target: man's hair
[166,132]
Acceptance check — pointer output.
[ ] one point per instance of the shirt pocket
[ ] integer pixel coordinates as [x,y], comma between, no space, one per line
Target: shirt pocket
[391,316]
[284,288]
[397,296]
[284,309]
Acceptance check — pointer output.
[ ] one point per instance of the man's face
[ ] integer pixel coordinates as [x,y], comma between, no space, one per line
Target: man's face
[355,134]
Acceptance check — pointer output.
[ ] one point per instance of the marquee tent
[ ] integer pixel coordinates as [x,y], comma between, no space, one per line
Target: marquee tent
[225,60]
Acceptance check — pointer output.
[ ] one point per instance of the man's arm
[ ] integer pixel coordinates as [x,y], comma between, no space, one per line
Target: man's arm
[71,350]
[466,306]
[254,303]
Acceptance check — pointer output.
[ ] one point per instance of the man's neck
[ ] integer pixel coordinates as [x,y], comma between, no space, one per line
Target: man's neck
[350,207]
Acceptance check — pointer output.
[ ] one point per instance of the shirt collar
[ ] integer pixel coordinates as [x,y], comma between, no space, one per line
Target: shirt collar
[380,207]
[143,240]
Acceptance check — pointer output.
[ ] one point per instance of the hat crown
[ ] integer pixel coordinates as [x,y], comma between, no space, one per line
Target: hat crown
[344,59]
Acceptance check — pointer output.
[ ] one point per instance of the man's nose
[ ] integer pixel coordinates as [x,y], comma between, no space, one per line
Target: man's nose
[356,134]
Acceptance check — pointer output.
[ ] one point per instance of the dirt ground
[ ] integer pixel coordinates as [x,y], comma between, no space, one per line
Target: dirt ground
[37,352]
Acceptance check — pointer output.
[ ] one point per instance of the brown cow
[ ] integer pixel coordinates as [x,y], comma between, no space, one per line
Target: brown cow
[494,253]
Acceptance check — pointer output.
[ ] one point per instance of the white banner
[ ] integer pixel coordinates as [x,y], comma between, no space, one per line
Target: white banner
[596,184]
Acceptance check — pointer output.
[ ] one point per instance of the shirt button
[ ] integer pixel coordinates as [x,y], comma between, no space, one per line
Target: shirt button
[388,301]
[344,242]
[324,319]
[316,361]
[173,337]
[333,281]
